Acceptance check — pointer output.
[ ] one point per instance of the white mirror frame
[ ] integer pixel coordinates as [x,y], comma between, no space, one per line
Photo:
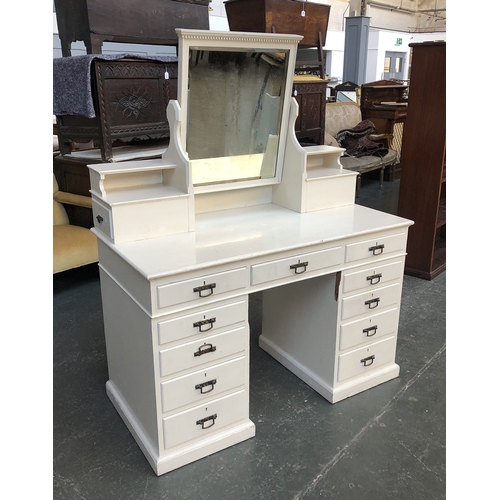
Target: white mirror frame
[258,42]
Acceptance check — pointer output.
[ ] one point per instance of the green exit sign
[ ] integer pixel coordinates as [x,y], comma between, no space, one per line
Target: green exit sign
[399,41]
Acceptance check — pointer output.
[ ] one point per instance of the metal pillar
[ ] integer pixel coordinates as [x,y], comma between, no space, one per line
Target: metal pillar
[356,49]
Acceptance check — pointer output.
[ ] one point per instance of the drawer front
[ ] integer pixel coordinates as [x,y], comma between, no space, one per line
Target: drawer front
[370,301]
[204,322]
[368,329]
[203,384]
[370,277]
[205,420]
[293,266]
[200,352]
[370,249]
[367,359]
[199,289]
[103,219]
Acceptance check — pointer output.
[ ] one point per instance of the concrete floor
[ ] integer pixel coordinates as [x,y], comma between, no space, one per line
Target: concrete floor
[386,443]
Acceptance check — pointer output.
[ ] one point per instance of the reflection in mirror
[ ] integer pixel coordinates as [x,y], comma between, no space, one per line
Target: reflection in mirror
[234,113]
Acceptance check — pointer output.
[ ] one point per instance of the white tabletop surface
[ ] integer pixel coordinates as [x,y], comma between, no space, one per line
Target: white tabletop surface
[237,234]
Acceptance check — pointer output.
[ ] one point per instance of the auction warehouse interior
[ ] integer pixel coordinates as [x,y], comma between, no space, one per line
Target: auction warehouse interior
[249,249]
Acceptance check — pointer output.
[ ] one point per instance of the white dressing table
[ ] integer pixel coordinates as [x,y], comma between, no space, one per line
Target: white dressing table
[178,260]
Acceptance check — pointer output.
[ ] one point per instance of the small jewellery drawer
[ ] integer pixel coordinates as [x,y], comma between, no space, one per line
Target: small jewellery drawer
[368,329]
[210,320]
[202,421]
[372,276]
[103,219]
[369,301]
[293,266]
[199,288]
[367,359]
[375,247]
[199,352]
[203,384]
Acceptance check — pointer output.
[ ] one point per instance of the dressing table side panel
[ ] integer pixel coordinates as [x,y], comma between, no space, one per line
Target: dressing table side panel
[131,364]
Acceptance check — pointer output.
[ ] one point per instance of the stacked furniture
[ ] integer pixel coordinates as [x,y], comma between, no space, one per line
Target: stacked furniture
[384,103]
[184,239]
[422,194]
[310,20]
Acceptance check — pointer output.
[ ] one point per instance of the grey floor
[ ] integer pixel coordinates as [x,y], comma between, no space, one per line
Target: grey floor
[385,443]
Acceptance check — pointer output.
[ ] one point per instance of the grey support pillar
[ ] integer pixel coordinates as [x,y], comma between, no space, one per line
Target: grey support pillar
[356,49]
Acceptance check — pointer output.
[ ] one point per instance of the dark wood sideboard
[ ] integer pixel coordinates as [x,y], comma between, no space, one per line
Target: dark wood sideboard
[128,21]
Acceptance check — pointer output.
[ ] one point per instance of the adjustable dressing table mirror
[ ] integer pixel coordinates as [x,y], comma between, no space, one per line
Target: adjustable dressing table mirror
[234,206]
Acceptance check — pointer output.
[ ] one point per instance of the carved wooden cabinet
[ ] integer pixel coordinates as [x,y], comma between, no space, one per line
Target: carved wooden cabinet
[129,21]
[310,94]
[130,97]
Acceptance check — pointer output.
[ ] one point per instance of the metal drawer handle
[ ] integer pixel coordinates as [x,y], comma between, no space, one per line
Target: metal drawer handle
[203,421]
[202,290]
[374,278]
[299,265]
[368,361]
[202,386]
[372,329]
[99,219]
[372,303]
[208,348]
[199,324]
[377,249]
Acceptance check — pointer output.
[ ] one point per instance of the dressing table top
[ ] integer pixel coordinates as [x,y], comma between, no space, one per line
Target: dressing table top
[234,235]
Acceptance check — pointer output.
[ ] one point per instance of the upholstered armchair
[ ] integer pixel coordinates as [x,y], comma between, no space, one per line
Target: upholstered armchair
[346,115]
[73,246]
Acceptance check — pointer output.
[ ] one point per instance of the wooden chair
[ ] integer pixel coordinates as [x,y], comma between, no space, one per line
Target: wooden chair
[346,115]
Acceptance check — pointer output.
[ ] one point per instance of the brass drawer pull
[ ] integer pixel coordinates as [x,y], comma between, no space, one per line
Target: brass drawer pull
[202,386]
[372,329]
[377,249]
[205,349]
[368,361]
[374,278]
[99,219]
[205,290]
[203,421]
[372,303]
[299,265]
[199,324]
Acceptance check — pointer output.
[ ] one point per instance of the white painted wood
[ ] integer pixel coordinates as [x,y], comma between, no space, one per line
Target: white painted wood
[200,352]
[296,265]
[211,320]
[188,390]
[351,363]
[368,329]
[161,238]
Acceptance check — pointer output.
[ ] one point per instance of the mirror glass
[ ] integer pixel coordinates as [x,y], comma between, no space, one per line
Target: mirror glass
[235,104]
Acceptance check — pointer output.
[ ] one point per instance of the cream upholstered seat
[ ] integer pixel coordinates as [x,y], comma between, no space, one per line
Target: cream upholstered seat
[346,115]
[73,246]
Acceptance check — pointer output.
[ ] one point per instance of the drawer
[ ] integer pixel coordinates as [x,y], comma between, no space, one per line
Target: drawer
[369,301]
[203,351]
[198,289]
[205,420]
[370,249]
[102,217]
[293,266]
[370,277]
[367,359]
[203,384]
[368,329]
[209,320]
